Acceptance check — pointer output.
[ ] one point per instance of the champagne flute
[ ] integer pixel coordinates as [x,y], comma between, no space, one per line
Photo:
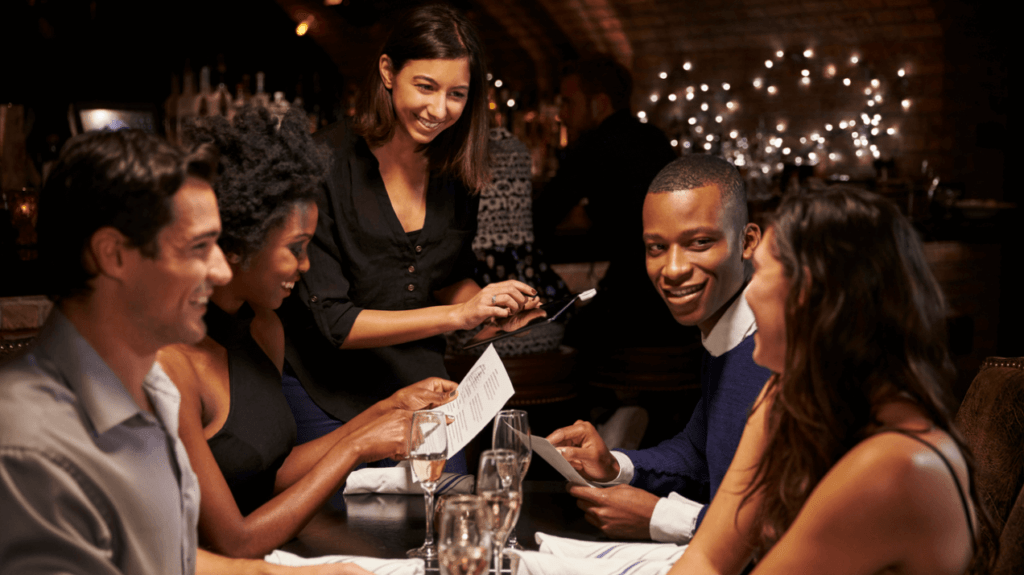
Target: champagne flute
[428,450]
[498,484]
[464,544]
[512,431]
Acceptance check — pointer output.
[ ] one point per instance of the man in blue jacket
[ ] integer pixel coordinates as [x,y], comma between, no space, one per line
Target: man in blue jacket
[698,248]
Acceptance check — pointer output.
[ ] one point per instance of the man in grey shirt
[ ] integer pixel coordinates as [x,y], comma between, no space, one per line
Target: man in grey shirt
[93,477]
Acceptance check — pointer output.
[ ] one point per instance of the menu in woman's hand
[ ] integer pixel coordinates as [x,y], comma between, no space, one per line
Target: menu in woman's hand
[482,394]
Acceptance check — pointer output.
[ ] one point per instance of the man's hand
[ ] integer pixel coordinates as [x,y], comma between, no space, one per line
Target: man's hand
[620,512]
[584,449]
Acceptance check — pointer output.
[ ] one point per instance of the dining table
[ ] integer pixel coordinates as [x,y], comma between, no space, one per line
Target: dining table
[387,525]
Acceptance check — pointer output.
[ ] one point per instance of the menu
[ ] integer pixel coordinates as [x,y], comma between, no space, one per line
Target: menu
[482,394]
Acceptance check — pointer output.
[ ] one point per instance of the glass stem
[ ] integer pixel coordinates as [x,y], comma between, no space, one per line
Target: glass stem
[428,494]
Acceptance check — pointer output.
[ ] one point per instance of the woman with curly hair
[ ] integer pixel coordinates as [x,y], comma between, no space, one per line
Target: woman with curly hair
[392,256]
[258,489]
[849,463]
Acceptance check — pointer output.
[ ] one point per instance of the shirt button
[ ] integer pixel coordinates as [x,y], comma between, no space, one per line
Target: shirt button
[313,299]
[412,269]
[410,287]
[419,249]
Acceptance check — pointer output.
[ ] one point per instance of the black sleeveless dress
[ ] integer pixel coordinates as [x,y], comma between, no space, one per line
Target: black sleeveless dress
[259,432]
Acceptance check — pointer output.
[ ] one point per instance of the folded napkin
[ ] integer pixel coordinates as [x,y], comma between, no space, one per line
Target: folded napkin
[537,563]
[400,479]
[574,548]
[374,565]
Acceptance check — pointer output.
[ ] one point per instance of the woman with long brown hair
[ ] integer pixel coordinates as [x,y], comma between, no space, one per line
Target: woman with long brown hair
[849,462]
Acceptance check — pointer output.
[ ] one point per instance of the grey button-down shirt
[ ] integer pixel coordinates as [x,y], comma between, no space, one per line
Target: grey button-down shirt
[89,482]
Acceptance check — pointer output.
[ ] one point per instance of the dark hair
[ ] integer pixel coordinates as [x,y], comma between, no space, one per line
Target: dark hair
[265,170]
[125,180]
[868,325]
[692,171]
[603,74]
[433,32]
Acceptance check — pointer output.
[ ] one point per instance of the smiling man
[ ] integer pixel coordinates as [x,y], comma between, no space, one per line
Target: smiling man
[699,245]
[93,478]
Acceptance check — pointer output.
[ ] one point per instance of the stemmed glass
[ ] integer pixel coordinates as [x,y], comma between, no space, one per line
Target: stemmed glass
[498,484]
[428,450]
[464,543]
[512,431]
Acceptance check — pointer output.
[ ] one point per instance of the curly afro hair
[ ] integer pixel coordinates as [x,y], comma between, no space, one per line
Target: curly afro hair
[267,167]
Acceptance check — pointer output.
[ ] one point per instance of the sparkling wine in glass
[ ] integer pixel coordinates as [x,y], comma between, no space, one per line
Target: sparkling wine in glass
[428,450]
[498,484]
[464,543]
[512,431]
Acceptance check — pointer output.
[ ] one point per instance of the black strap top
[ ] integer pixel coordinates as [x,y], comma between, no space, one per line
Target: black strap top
[260,430]
[949,466]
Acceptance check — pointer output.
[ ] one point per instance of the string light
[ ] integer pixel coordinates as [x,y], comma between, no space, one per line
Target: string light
[905,104]
[758,83]
[497,83]
[731,105]
[663,75]
[805,81]
[854,59]
[703,87]
[672,97]
[901,72]
[734,134]
[875,83]
[726,86]
[768,64]
[808,53]
[675,143]
[830,71]
[511,103]
[654,97]
[718,119]
[704,107]
[891,131]
[779,54]
[846,81]
[689,96]
[641,114]
[772,90]
[687,66]
[805,72]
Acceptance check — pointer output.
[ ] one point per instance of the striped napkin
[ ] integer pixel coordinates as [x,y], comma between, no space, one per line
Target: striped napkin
[372,564]
[562,556]
[400,479]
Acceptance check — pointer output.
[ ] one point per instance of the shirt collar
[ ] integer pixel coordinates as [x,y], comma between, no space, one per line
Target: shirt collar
[100,393]
[735,325]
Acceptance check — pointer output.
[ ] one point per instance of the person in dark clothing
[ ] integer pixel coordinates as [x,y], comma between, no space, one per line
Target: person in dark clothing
[611,161]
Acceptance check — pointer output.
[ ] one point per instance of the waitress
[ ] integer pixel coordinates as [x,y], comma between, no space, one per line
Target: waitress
[391,259]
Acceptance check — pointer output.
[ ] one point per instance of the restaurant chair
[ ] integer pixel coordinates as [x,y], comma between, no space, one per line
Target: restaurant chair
[991,418]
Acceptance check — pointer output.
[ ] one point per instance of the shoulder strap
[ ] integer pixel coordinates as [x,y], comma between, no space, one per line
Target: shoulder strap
[949,466]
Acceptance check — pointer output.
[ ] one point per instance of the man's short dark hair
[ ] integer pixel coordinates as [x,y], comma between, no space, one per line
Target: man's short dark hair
[125,180]
[692,171]
[602,74]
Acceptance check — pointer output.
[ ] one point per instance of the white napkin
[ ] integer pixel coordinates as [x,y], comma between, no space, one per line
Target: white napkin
[564,547]
[400,480]
[372,564]
[537,563]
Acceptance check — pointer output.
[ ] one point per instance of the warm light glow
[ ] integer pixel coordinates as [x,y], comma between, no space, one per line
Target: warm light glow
[641,114]
[663,75]
[675,143]
[731,105]
[654,97]
[805,81]
[905,104]
[860,153]
[490,76]
[768,149]
[772,90]
[718,119]
[780,127]
[689,96]
[672,97]
[867,91]
[846,81]
[832,156]
[901,72]
[842,125]
[891,131]
[511,103]
[830,70]
[686,144]
[699,129]
[855,135]
[805,72]
[878,98]
[734,134]
[854,59]
[707,146]
[874,131]
[703,87]
[768,64]
[492,106]
[704,107]
[692,121]
[304,26]
[803,140]
[808,53]
[497,83]
[812,156]
[780,54]
[798,160]
[758,83]
[828,127]
[687,66]
[875,83]
[816,136]
[786,151]
[726,86]
[871,103]
[711,138]
[690,89]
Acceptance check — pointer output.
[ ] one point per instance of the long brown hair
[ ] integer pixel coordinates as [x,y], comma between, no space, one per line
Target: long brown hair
[865,322]
[433,32]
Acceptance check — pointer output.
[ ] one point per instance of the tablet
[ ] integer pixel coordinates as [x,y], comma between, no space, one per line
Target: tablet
[555,311]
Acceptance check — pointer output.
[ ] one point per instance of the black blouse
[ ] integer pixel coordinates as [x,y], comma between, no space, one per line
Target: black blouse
[362,258]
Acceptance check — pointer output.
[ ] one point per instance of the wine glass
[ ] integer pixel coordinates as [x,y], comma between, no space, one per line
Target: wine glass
[464,543]
[428,450]
[512,431]
[498,484]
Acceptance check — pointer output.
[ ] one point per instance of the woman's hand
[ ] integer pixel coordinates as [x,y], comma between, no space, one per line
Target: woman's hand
[427,394]
[385,436]
[497,301]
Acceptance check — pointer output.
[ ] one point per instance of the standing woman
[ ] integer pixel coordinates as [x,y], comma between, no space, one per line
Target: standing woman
[391,257]
[849,463]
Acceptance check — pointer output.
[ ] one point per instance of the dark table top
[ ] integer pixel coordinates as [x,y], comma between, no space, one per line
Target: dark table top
[386,526]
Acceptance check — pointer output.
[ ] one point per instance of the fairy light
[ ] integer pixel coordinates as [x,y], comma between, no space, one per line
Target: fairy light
[710,138]
[768,149]
[772,90]
[833,156]
[718,119]
[867,91]
[689,96]
[663,75]
[786,151]
[511,103]
[891,131]
[875,83]
[779,54]
[805,81]
[687,66]
[731,105]
[699,129]
[692,121]
[641,114]
[842,125]
[726,86]
[828,127]
[803,140]
[878,98]
[498,83]
[805,72]
[901,72]
[846,82]
[654,97]
[703,87]
[672,97]
[808,53]
[780,127]
[830,71]
[675,143]
[854,59]
[734,134]
[905,104]
[758,83]
[798,160]
[768,63]
[704,107]
[707,146]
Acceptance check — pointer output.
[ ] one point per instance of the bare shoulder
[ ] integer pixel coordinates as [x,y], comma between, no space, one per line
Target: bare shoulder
[183,363]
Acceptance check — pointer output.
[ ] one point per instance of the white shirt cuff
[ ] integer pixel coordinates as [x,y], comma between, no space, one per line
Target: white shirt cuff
[674,519]
[625,470]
